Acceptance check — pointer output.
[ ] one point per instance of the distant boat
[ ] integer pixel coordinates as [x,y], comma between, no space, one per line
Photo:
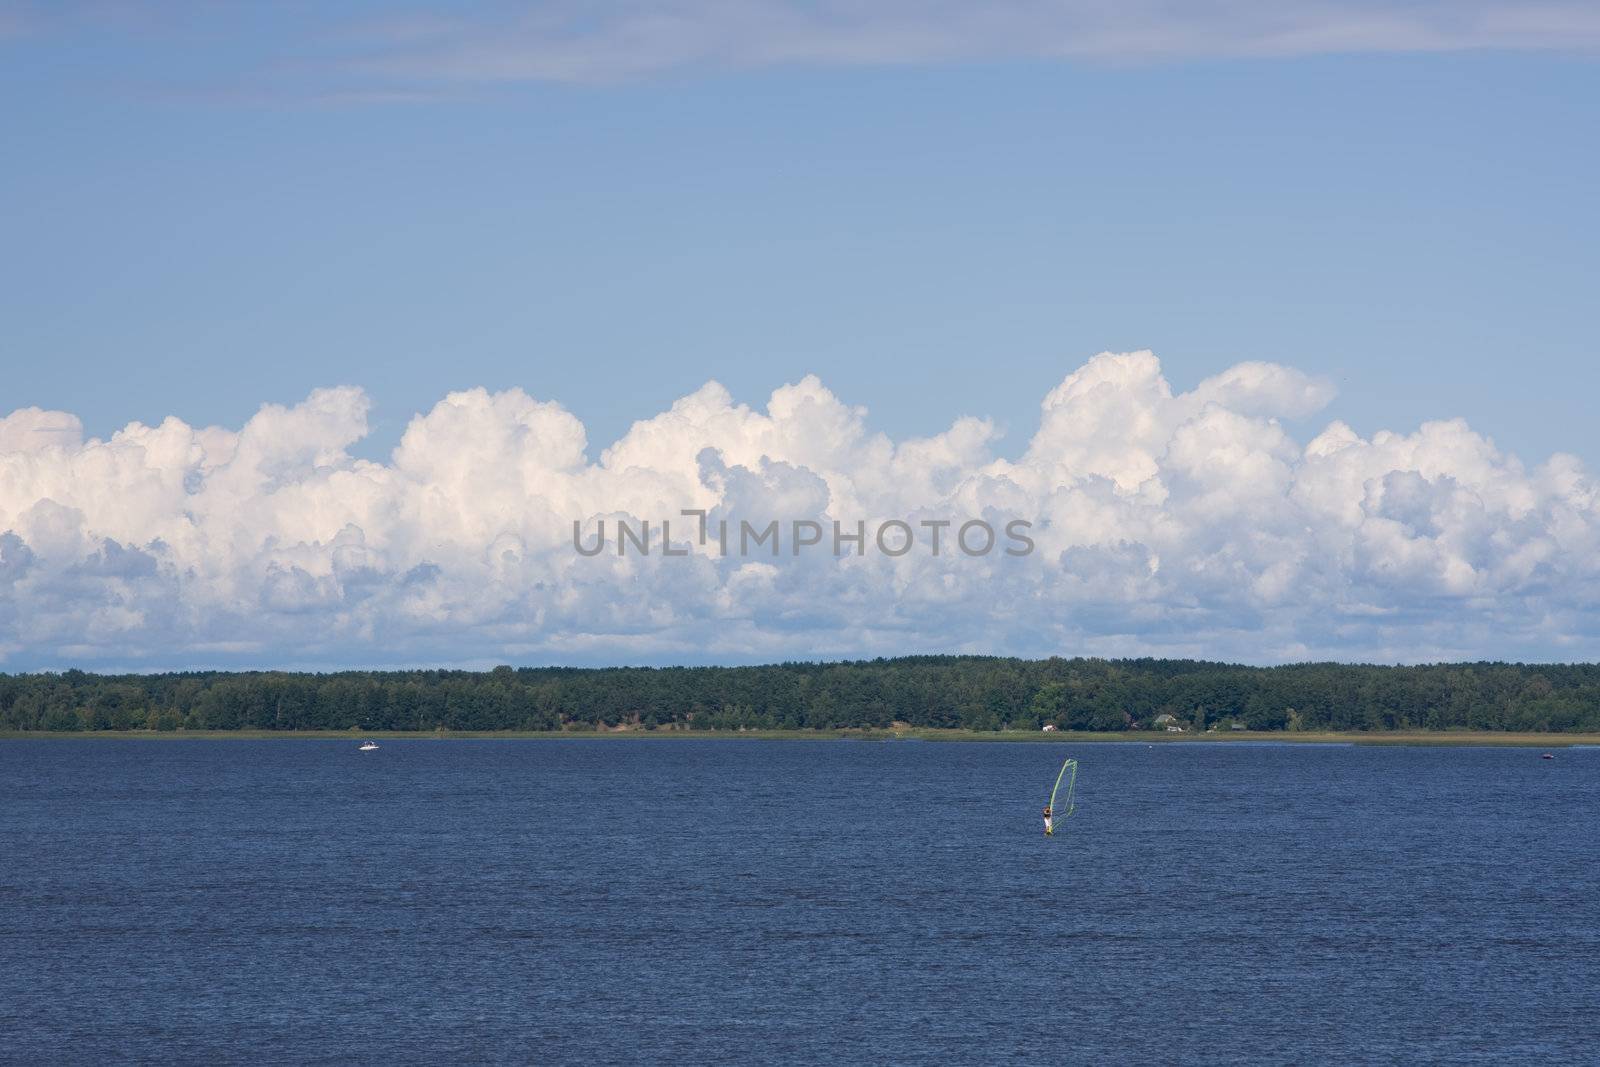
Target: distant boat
[1547,756]
[368,746]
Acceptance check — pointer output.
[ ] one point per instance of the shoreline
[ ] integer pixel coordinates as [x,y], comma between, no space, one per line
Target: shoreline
[1442,738]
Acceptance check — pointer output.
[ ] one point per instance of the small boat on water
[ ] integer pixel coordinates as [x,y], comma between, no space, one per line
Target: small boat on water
[368,746]
[1547,756]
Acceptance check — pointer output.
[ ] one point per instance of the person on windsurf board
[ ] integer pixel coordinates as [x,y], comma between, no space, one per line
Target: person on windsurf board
[1068,767]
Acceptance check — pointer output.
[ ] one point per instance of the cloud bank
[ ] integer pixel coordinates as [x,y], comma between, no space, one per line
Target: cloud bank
[1165,523]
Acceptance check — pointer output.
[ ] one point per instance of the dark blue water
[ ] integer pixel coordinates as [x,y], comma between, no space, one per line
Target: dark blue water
[740,902]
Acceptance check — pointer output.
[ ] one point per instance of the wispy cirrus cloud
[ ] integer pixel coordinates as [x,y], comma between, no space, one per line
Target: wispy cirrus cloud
[365,53]
[581,42]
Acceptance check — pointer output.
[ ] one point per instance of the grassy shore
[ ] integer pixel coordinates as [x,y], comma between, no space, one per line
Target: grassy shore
[1442,737]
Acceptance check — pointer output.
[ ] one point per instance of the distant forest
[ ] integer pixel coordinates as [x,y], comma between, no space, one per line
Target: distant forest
[971,692]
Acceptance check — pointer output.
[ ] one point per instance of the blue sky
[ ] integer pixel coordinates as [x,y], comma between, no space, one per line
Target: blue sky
[188,241]
[210,211]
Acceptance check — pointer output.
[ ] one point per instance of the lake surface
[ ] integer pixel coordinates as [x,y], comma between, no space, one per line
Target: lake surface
[704,902]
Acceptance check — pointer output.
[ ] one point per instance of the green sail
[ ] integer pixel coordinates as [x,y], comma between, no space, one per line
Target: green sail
[1069,772]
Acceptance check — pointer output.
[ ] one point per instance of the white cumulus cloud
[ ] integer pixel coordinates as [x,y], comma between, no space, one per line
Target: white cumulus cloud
[1177,523]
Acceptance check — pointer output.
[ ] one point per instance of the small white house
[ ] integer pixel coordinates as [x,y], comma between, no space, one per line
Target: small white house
[1049,728]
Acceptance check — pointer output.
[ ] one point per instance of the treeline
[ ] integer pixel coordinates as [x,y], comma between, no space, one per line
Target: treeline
[973,692]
